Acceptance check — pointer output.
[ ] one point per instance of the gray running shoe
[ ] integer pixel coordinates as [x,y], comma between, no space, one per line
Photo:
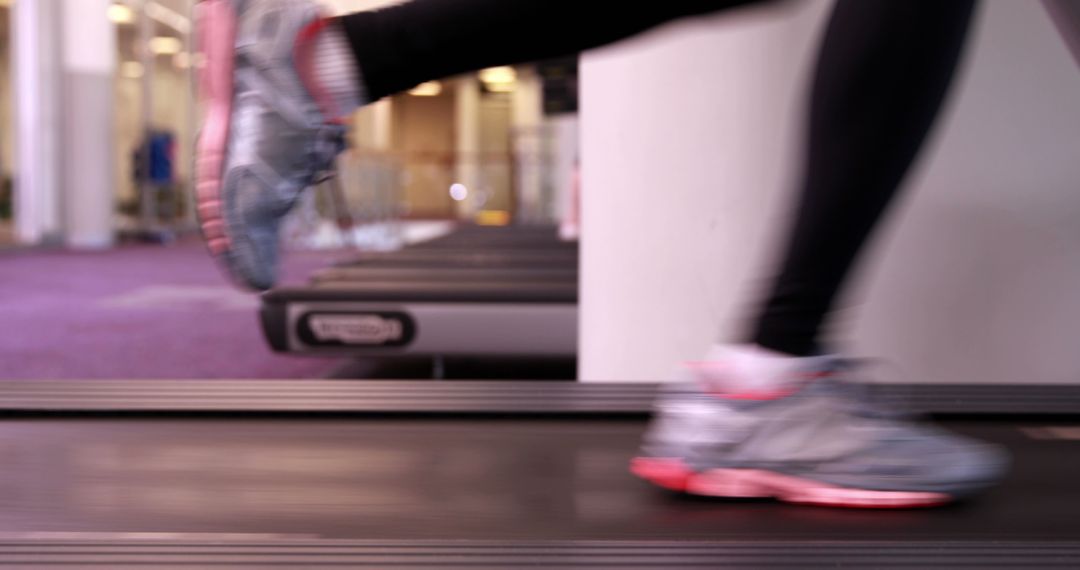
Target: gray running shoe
[821,445]
[263,140]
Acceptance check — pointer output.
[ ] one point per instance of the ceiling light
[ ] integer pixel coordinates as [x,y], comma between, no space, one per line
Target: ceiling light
[120,14]
[428,89]
[498,75]
[459,192]
[166,45]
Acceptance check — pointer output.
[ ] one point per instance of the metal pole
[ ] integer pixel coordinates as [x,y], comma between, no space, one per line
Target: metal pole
[34,29]
[148,202]
[192,116]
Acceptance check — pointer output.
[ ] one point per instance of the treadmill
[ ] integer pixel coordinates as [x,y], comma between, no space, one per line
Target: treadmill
[284,474]
[476,292]
[437,475]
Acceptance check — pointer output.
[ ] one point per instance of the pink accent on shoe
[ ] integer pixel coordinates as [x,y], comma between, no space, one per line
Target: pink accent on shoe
[210,210]
[305,68]
[667,472]
[760,483]
[672,473]
[214,229]
[216,25]
[218,246]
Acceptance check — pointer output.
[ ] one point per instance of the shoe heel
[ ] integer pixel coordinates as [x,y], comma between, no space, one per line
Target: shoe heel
[669,473]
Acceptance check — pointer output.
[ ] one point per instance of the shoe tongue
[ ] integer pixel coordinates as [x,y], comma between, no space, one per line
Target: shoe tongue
[758,378]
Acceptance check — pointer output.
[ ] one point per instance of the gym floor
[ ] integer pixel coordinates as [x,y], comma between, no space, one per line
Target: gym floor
[153,312]
[138,311]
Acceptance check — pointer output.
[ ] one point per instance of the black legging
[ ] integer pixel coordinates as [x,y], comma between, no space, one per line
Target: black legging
[883,71]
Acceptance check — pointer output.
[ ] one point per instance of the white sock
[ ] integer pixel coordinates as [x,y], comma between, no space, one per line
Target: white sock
[335,70]
[751,369]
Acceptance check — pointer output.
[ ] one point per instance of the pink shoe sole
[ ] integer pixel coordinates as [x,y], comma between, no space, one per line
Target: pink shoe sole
[673,474]
[216,25]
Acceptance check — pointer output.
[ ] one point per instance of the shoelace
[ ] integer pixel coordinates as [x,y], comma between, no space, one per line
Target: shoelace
[870,398]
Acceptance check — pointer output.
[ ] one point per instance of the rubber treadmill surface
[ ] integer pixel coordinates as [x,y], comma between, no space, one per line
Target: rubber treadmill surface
[482,258]
[490,291]
[449,479]
[557,274]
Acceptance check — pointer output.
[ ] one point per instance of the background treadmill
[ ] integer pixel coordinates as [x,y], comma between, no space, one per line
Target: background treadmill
[475,292]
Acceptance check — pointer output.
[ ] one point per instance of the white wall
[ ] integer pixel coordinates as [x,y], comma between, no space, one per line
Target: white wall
[979,280]
[685,161]
[682,160]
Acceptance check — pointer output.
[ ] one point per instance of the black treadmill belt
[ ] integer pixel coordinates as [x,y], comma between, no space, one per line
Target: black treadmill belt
[524,481]
[457,262]
[416,258]
[544,236]
[431,292]
[508,251]
[526,245]
[569,274]
[523,241]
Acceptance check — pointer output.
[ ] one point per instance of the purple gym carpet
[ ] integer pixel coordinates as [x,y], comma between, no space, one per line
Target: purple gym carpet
[138,311]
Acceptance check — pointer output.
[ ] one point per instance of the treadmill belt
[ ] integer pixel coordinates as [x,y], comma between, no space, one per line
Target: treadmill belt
[491,291]
[468,258]
[442,274]
[439,479]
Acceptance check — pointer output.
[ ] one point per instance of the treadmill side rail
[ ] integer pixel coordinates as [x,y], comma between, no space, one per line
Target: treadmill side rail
[395,328]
